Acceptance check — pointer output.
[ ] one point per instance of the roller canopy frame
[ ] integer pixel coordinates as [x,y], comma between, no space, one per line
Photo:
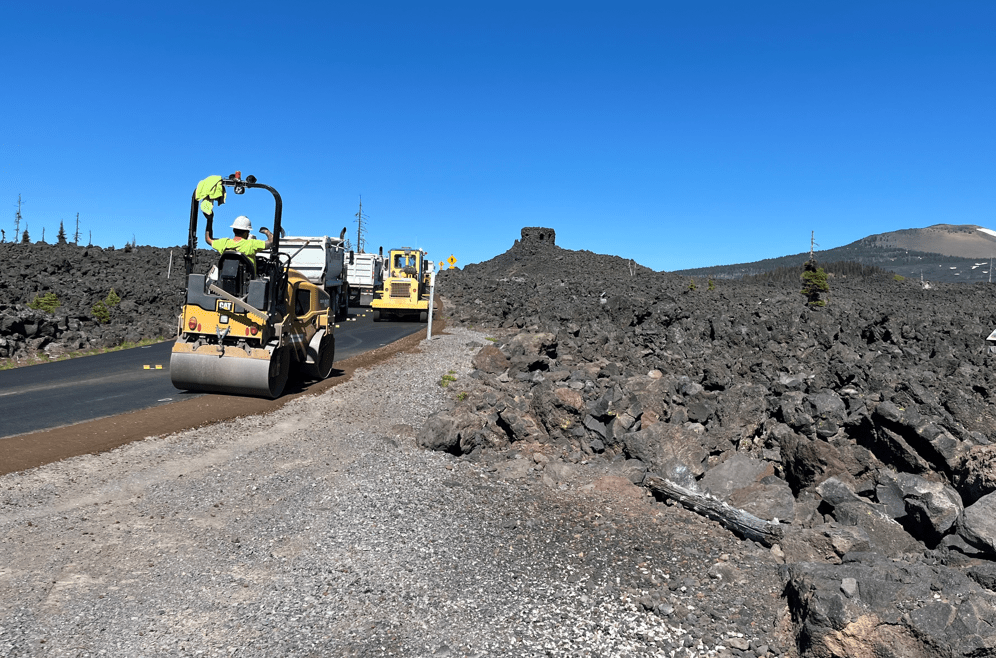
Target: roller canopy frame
[239,187]
[273,265]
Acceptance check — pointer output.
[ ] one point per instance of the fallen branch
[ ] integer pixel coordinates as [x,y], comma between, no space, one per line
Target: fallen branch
[736,520]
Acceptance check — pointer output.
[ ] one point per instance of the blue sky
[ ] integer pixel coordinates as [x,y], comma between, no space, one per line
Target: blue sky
[678,134]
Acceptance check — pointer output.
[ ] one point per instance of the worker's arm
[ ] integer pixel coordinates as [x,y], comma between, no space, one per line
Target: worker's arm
[207,233]
[269,237]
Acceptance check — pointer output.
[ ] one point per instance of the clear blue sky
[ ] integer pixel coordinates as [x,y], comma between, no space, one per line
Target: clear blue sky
[678,134]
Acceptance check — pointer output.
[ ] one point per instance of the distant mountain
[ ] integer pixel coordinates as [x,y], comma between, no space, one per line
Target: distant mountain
[960,241]
[942,252]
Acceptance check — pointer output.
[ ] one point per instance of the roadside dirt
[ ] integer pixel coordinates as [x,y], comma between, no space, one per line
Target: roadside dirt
[26,451]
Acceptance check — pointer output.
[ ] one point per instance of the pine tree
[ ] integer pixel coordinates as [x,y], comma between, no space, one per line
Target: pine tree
[62,233]
[25,238]
[814,283]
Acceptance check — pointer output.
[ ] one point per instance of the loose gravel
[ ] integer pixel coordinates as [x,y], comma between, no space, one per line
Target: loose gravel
[322,530]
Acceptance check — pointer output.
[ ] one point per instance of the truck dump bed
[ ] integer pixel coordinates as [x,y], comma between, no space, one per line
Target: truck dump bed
[365,275]
[318,259]
[322,261]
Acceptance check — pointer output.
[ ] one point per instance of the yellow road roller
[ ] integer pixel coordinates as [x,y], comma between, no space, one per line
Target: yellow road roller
[249,321]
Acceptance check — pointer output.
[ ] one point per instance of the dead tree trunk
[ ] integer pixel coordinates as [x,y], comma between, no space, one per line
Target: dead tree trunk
[736,520]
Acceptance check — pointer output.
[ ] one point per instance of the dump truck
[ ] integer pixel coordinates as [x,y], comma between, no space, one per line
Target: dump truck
[405,293]
[323,261]
[247,322]
[365,273]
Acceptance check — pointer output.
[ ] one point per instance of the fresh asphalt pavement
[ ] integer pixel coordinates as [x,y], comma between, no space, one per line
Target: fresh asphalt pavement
[75,390]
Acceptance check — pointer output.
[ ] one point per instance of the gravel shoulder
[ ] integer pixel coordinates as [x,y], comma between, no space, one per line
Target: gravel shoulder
[322,529]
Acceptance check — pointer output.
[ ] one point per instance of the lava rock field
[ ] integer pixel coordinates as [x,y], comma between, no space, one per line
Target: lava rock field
[859,433]
[149,288]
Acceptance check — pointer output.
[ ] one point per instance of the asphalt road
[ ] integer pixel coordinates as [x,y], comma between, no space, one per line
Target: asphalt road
[67,392]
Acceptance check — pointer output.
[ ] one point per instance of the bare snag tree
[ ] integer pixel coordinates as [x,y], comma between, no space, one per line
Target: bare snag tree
[17,219]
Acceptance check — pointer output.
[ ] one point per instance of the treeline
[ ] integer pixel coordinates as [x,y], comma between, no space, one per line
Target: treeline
[857,252]
[847,268]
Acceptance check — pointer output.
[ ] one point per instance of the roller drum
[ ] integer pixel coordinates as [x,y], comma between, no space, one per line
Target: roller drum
[238,376]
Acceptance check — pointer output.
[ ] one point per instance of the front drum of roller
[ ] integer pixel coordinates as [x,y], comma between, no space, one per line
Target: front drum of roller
[238,375]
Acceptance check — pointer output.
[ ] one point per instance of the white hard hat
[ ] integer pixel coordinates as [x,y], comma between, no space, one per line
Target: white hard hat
[242,223]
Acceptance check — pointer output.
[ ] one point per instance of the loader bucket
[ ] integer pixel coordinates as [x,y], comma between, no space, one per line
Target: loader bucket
[234,372]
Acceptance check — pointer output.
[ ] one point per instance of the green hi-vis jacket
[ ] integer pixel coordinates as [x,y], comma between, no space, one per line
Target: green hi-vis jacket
[247,247]
[208,190]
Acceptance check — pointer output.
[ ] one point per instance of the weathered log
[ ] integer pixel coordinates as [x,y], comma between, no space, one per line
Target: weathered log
[742,523]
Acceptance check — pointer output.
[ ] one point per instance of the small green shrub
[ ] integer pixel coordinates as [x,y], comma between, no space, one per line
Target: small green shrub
[493,340]
[462,396]
[102,309]
[47,302]
[712,284]
[691,285]
[446,380]
[898,277]
[101,313]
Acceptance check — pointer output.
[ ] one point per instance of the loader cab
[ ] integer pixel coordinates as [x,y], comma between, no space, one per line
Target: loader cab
[406,262]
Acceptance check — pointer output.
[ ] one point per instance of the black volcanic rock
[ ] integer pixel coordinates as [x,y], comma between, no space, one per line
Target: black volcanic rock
[150,290]
[872,606]
[858,425]
[874,411]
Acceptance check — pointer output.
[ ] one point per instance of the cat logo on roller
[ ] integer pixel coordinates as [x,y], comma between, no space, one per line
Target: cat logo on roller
[248,322]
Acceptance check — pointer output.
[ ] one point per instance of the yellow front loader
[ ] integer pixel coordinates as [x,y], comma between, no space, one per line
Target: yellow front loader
[244,325]
[406,286]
